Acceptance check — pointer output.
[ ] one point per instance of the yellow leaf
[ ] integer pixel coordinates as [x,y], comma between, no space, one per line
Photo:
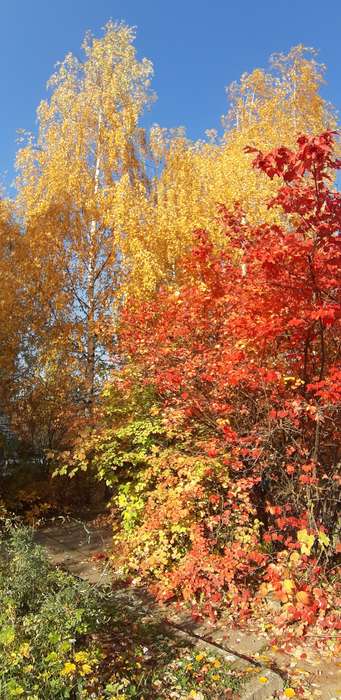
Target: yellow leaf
[323,539]
[306,540]
[294,558]
[288,586]
[264,589]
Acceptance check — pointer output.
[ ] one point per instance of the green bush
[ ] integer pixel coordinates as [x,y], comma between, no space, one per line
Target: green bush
[45,616]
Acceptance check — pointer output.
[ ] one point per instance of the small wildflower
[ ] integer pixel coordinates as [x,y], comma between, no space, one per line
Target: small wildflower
[289,693]
[199,657]
[215,677]
[263,679]
[217,663]
[81,656]
[86,669]
[68,669]
[24,650]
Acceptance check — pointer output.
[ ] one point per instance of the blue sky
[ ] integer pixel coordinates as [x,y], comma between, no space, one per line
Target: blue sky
[197,48]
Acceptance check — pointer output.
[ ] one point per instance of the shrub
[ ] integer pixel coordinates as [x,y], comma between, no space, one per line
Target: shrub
[44,616]
[243,357]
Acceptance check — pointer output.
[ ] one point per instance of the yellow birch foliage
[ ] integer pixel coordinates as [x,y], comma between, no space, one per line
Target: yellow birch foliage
[267,109]
[72,185]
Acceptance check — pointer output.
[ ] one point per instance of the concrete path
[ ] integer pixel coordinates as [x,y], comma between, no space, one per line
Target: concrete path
[78,547]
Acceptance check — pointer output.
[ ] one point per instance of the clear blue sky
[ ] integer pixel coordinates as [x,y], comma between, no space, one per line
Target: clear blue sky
[197,48]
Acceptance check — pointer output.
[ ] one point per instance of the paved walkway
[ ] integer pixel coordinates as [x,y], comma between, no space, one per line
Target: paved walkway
[78,547]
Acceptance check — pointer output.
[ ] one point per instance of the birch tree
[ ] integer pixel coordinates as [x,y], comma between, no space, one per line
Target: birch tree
[73,186]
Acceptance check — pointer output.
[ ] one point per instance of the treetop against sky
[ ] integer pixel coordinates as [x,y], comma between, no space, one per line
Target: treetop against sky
[196,50]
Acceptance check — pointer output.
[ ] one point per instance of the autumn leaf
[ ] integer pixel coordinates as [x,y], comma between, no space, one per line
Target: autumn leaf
[306,541]
[288,586]
[323,539]
[304,597]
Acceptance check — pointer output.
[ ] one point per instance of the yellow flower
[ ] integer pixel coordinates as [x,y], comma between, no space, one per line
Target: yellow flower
[68,669]
[263,679]
[217,663]
[215,677]
[28,669]
[81,656]
[199,657]
[86,669]
[24,650]
[289,693]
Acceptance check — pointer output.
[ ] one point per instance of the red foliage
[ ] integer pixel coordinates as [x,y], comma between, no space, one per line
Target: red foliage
[245,356]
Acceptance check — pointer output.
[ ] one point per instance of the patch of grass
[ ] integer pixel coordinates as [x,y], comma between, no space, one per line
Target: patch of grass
[44,614]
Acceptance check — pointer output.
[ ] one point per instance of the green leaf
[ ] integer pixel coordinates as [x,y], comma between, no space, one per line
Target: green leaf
[7,635]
